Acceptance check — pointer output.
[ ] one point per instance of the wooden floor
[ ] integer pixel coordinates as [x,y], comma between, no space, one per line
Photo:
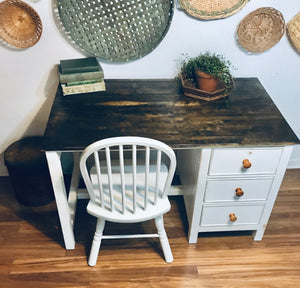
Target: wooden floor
[32,252]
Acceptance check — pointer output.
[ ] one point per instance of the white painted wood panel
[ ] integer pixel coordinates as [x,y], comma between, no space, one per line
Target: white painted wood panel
[230,161]
[225,190]
[219,215]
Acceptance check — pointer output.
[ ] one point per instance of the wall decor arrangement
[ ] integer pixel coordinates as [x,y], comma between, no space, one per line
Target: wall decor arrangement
[20,24]
[212,9]
[116,30]
[293,29]
[261,29]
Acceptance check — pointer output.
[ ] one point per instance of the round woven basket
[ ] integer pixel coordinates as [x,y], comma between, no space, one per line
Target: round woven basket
[212,9]
[20,25]
[118,30]
[293,29]
[261,30]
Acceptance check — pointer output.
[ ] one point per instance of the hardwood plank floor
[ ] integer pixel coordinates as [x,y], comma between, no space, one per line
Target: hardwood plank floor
[32,253]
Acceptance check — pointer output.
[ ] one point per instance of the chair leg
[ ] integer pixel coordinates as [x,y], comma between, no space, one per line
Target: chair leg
[96,242]
[159,222]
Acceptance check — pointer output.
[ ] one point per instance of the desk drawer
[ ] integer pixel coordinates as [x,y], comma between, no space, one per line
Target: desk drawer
[230,161]
[226,190]
[220,215]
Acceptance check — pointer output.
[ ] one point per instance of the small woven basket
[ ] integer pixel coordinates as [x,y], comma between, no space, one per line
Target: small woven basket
[118,30]
[212,9]
[190,90]
[293,29]
[261,30]
[20,24]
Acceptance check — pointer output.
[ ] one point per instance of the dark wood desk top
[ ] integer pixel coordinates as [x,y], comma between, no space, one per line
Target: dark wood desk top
[158,109]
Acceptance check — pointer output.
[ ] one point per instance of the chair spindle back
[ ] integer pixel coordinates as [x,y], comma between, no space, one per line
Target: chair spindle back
[125,185]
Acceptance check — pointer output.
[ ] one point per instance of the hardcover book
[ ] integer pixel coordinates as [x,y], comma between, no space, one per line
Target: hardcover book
[85,88]
[89,64]
[73,77]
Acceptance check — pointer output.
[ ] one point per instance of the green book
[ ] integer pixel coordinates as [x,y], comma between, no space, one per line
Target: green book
[83,82]
[73,77]
[89,64]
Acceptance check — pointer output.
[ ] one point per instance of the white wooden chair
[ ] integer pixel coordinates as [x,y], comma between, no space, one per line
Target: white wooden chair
[128,190]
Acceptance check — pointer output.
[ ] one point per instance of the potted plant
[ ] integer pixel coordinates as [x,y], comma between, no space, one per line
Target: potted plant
[207,71]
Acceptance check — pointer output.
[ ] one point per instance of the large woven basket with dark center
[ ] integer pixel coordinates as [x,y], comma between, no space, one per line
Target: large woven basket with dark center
[20,24]
[212,9]
[116,30]
[261,29]
[293,28]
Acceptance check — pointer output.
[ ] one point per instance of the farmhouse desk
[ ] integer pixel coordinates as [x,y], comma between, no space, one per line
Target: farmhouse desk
[211,141]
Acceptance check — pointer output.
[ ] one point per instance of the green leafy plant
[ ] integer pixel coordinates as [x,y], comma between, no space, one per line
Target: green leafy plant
[213,64]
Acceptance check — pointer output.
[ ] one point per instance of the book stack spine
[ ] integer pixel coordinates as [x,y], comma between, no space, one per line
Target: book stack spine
[81,76]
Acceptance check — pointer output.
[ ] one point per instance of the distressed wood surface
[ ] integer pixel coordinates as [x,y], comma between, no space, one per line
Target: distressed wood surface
[32,252]
[158,109]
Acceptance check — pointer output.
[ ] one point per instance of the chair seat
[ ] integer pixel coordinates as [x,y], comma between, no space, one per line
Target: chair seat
[141,215]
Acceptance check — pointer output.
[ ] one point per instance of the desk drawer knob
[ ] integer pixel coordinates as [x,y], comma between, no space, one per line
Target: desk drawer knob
[239,192]
[246,163]
[232,217]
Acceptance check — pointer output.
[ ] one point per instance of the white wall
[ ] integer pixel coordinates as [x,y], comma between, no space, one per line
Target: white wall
[28,78]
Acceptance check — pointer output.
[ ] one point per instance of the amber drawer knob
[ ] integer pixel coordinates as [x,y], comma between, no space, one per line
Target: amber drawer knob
[246,163]
[239,192]
[232,217]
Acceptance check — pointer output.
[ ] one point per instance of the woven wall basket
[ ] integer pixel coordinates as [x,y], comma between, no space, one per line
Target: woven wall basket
[293,28]
[261,30]
[212,9]
[20,25]
[116,30]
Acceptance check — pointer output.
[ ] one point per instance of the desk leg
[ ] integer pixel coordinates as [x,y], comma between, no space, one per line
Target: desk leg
[61,199]
[192,165]
[73,192]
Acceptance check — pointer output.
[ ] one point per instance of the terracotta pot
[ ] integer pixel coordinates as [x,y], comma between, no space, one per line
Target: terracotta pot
[206,82]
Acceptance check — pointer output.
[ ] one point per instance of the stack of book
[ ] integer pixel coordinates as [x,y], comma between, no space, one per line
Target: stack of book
[82,75]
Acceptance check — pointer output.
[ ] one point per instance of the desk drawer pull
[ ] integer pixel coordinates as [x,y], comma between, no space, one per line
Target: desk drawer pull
[232,217]
[246,163]
[239,192]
